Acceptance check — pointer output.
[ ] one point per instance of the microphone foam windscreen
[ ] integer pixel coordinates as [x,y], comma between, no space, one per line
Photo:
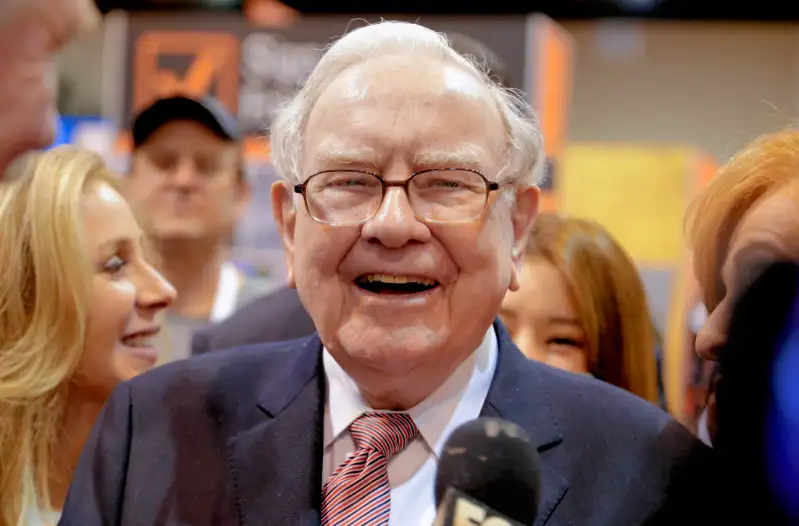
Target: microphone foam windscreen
[757,435]
[492,461]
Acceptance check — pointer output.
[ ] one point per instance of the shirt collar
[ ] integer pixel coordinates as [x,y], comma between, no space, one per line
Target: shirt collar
[458,400]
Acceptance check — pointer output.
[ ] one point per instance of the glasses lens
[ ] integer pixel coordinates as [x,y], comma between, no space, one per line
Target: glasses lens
[448,195]
[343,197]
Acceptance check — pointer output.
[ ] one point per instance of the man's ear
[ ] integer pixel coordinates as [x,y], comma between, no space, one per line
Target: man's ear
[285,216]
[522,217]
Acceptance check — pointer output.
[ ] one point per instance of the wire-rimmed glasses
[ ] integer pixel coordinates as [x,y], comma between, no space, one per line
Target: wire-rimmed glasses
[351,197]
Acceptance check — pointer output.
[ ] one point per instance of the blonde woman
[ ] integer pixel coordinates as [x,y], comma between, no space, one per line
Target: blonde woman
[583,307]
[77,316]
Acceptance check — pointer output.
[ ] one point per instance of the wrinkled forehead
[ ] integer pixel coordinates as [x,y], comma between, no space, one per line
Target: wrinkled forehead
[404,106]
[414,74]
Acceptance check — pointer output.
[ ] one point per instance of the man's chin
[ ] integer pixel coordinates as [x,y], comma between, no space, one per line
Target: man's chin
[384,345]
[177,233]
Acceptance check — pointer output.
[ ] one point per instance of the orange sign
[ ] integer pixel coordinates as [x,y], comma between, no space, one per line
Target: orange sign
[550,60]
[213,67]
[556,58]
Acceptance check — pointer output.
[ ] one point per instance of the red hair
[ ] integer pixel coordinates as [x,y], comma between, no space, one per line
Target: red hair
[760,168]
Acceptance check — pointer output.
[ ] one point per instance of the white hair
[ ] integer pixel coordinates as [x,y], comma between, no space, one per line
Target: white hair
[525,152]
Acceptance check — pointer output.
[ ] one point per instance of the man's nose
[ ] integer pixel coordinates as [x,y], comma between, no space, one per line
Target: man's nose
[185,175]
[395,224]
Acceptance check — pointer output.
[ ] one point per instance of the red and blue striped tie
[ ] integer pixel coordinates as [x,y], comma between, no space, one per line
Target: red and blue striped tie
[358,492]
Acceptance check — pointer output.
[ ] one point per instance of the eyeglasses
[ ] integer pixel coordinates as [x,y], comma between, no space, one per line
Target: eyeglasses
[351,197]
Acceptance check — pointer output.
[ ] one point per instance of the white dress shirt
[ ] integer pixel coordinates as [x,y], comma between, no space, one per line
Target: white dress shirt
[412,471]
[38,517]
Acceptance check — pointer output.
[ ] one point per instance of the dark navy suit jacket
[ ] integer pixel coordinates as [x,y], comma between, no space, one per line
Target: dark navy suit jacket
[276,317]
[235,438]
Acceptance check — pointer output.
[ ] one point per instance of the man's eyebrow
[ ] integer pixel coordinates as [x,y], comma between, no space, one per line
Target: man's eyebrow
[457,158]
[465,157]
[349,156]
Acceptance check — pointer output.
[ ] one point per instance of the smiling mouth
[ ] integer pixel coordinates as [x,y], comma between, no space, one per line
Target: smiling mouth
[141,341]
[395,285]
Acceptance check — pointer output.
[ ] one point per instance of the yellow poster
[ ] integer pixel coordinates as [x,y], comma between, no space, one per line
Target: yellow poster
[638,193]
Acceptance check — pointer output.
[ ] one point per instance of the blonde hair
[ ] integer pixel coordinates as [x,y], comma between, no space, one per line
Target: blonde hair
[525,144]
[609,297]
[45,282]
[712,218]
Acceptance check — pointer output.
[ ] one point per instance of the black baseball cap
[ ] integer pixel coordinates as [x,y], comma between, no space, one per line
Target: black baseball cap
[206,111]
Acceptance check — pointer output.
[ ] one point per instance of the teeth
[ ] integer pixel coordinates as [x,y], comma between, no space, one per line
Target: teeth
[386,278]
[139,341]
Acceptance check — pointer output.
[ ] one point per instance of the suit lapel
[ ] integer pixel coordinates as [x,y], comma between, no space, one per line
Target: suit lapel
[518,395]
[276,463]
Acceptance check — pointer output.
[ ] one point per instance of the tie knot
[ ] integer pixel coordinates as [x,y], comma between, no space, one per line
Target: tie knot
[387,433]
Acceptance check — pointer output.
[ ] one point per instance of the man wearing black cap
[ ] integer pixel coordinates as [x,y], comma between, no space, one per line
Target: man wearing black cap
[187,179]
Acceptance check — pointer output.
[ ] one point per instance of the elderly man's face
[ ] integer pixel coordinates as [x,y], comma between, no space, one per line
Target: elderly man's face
[393,117]
[31,33]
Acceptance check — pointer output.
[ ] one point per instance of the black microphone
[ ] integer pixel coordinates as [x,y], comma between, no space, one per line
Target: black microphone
[757,393]
[488,474]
